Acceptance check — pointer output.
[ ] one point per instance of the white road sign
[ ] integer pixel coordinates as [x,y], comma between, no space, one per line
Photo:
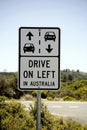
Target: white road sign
[39,58]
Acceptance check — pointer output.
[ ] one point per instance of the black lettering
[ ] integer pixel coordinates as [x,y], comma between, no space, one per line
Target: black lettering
[30,63]
[43,63]
[39,63]
[53,74]
[38,76]
[25,83]
[43,74]
[35,63]
[48,73]
[28,74]
[25,74]
[48,64]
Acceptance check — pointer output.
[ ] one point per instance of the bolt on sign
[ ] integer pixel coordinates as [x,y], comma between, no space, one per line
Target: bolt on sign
[39,58]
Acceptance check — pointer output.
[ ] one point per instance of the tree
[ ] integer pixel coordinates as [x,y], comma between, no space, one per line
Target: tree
[70,77]
[64,78]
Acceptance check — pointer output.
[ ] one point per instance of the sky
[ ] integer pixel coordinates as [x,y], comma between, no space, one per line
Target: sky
[69,15]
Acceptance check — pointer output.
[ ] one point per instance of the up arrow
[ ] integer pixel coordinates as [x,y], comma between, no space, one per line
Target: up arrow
[29,35]
[49,49]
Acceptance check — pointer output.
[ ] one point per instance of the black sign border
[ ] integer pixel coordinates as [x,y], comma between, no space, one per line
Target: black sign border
[19,61]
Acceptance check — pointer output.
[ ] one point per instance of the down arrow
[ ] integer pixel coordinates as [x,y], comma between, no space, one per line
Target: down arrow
[49,49]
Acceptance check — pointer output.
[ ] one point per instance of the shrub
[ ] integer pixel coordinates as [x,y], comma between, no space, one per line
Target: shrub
[14,117]
[68,98]
[34,94]
[44,94]
[27,97]
[49,98]
[2,98]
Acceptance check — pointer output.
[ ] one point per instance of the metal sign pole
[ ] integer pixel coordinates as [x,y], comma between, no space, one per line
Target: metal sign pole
[38,110]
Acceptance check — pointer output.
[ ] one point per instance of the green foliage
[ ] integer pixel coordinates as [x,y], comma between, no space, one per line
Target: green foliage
[2,99]
[70,77]
[78,89]
[73,84]
[34,94]
[67,75]
[49,98]
[68,98]
[8,85]
[70,91]
[14,117]
[33,110]
[44,94]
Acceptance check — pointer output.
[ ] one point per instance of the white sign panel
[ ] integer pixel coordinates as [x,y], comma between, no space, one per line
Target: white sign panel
[39,58]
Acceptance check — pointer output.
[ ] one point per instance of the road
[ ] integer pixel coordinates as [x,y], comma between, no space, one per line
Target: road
[74,110]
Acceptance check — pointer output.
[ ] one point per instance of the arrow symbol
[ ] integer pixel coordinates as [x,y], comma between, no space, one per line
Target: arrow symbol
[29,35]
[49,49]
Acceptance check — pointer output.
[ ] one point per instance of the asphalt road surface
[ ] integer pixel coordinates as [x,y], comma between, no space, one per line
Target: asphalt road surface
[75,110]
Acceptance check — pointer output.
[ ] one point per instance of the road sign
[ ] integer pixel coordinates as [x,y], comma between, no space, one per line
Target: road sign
[39,58]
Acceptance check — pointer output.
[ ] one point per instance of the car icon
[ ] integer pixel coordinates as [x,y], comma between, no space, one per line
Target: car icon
[29,47]
[50,36]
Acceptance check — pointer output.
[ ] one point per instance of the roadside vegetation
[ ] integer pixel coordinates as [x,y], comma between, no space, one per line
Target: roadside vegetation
[73,87]
[14,117]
